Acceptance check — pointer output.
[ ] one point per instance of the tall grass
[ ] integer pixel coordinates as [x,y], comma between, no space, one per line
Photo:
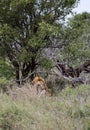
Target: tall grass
[68,110]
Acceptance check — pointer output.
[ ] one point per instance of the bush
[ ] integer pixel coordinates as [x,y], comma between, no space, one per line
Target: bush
[3,84]
[14,117]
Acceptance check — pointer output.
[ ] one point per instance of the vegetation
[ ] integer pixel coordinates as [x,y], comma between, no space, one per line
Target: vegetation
[34,35]
[69,110]
[26,28]
[78,48]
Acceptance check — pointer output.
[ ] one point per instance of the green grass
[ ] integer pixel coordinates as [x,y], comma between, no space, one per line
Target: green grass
[69,110]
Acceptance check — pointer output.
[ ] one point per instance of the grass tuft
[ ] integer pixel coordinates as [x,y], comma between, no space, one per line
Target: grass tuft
[69,110]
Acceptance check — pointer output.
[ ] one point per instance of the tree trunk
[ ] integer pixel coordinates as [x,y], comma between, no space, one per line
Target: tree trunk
[19,76]
[23,70]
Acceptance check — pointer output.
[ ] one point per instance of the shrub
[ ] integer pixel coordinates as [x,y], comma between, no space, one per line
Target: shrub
[14,117]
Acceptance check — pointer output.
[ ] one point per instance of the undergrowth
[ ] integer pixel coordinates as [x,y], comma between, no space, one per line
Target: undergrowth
[69,110]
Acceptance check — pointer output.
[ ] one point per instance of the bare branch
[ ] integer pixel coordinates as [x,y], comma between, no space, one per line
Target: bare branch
[73,74]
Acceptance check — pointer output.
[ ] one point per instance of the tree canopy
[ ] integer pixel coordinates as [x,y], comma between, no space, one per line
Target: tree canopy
[78,33]
[26,27]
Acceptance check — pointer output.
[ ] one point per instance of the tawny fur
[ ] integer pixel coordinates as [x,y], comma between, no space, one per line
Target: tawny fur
[40,85]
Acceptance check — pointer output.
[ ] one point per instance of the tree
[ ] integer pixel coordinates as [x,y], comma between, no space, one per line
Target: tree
[78,33]
[26,27]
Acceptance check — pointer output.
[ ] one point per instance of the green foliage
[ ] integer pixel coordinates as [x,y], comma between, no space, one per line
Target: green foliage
[78,26]
[78,48]
[80,21]
[12,116]
[3,84]
[46,28]
[6,73]
[9,116]
[74,53]
[46,63]
[6,69]
[26,27]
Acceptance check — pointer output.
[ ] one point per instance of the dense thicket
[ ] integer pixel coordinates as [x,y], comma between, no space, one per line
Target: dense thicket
[26,27]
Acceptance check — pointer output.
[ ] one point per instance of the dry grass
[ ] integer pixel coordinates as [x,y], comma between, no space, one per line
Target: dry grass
[69,110]
[25,93]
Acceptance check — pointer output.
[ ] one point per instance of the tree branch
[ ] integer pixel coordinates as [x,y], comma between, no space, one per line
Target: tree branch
[73,74]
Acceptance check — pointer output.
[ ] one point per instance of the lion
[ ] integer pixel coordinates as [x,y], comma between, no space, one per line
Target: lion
[40,85]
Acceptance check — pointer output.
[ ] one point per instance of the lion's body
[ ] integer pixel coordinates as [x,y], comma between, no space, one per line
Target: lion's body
[40,85]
